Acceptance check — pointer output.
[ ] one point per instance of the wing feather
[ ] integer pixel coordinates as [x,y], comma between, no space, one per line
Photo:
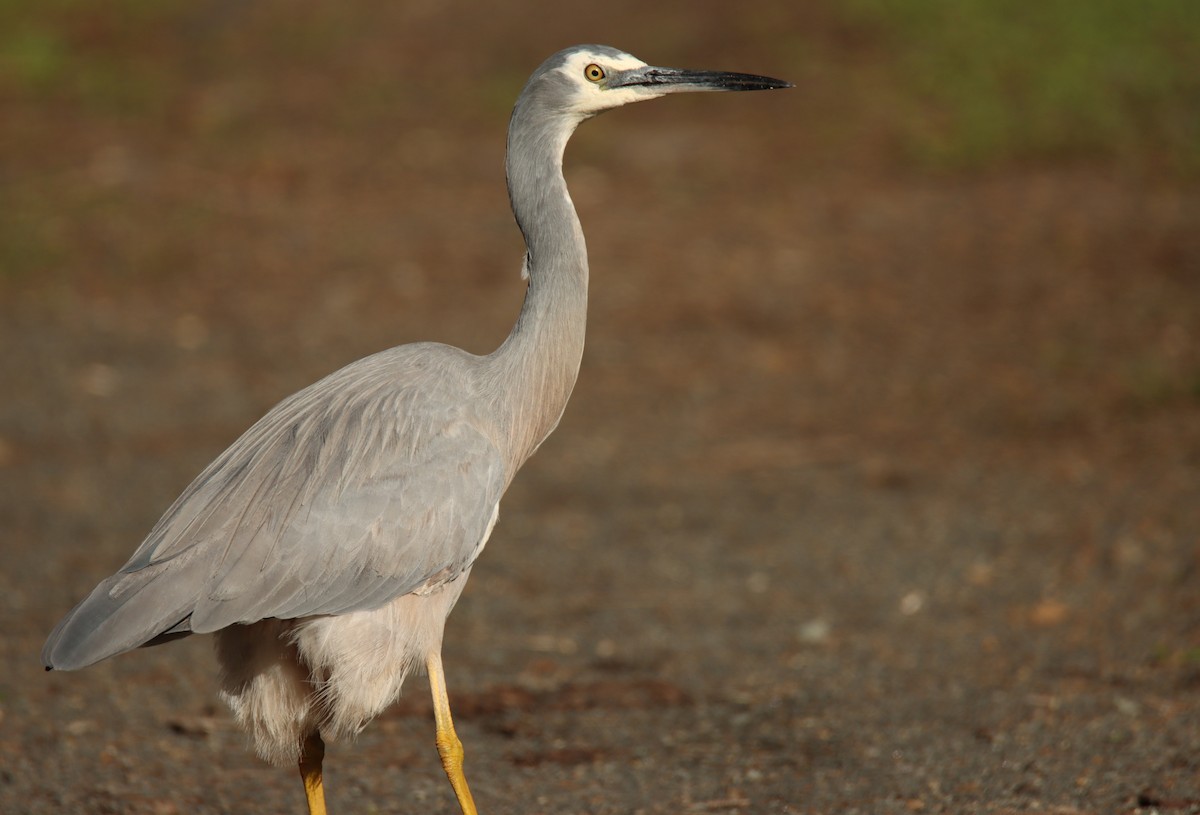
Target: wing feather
[365,486]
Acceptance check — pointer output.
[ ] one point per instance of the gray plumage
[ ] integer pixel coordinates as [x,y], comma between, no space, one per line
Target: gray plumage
[326,546]
[389,459]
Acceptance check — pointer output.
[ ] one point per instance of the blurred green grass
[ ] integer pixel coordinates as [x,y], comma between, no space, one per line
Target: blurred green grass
[985,82]
[98,56]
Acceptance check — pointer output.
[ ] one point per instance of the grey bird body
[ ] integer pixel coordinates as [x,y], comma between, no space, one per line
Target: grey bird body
[378,482]
[327,545]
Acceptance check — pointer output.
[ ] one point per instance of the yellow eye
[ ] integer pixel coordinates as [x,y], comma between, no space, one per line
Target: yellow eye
[593,72]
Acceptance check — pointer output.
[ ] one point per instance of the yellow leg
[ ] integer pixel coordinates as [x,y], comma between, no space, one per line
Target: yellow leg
[311,756]
[449,747]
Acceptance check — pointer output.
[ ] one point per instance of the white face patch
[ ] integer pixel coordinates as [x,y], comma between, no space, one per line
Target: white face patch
[593,97]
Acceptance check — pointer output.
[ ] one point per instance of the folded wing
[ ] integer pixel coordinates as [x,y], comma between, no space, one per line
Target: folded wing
[370,484]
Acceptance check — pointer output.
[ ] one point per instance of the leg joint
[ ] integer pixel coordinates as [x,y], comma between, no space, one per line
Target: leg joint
[449,748]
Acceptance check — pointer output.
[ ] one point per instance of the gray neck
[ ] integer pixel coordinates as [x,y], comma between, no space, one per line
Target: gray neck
[539,361]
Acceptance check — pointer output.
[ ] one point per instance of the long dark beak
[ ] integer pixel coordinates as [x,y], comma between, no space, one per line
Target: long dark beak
[672,80]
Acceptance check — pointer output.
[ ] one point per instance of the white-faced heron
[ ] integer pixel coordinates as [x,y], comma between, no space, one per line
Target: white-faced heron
[326,547]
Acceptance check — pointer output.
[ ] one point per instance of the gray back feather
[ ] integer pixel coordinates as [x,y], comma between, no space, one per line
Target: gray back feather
[375,481]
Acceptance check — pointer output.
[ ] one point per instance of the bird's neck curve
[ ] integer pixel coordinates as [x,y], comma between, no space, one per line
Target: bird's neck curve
[539,361]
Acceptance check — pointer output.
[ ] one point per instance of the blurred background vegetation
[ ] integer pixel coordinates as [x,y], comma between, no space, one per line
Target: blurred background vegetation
[985,82]
[963,84]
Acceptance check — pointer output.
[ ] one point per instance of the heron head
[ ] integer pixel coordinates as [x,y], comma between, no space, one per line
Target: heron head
[587,79]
